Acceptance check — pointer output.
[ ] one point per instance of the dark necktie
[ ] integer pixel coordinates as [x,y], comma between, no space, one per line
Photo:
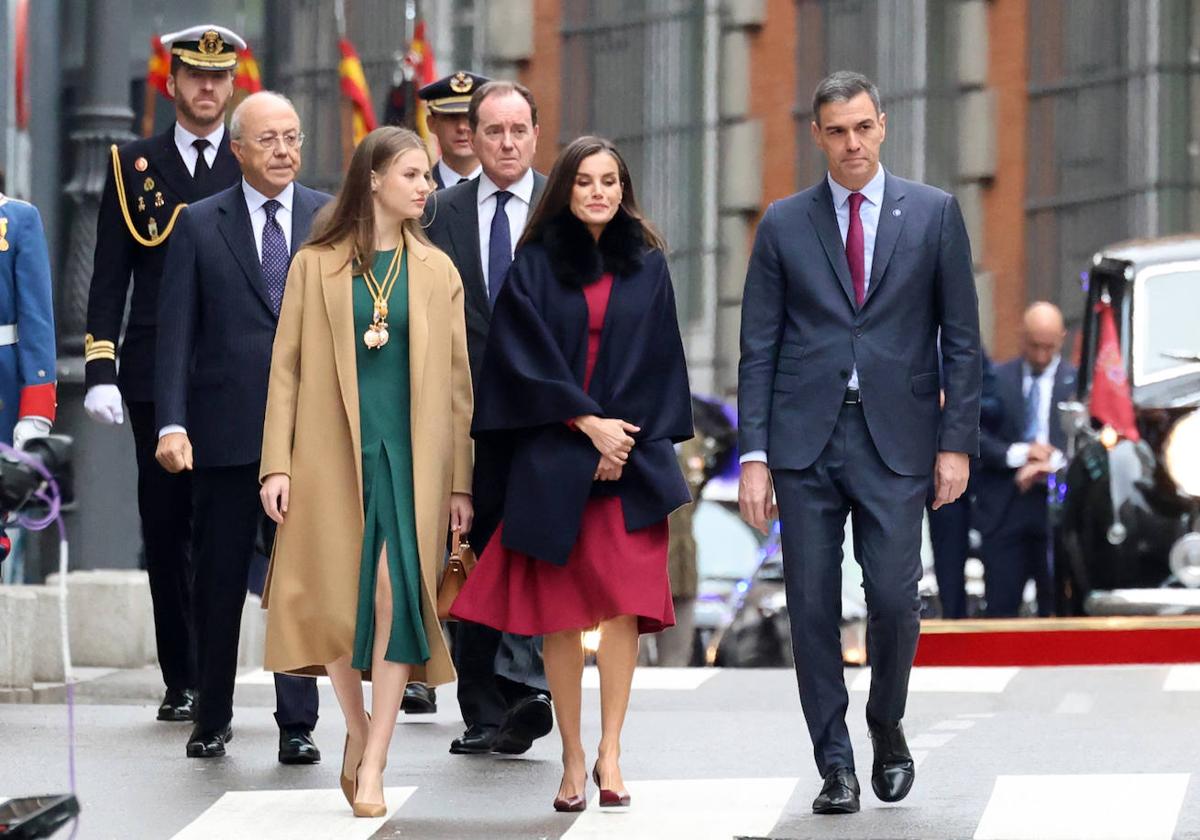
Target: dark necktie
[499,247]
[462,181]
[855,250]
[1033,409]
[201,172]
[274,255]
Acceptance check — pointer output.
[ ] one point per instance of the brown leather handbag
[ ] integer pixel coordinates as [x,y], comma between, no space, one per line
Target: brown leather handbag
[460,564]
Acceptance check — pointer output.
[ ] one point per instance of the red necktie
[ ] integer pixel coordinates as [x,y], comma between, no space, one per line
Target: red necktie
[855,254]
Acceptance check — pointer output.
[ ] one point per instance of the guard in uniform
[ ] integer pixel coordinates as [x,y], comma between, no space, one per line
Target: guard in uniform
[448,100]
[149,183]
[27,378]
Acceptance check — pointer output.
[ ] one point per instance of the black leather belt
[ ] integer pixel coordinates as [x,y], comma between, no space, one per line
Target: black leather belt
[853,397]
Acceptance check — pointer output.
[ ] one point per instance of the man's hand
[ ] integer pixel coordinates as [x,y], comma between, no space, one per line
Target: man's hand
[1040,452]
[609,435]
[950,477]
[609,469]
[1033,473]
[103,404]
[28,428]
[756,496]
[174,452]
[462,512]
[274,495]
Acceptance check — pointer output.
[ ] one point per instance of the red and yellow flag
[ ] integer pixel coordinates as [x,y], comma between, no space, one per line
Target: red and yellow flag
[158,67]
[247,77]
[354,88]
[420,57]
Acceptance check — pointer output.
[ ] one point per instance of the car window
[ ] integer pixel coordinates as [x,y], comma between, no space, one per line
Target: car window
[726,547]
[1166,343]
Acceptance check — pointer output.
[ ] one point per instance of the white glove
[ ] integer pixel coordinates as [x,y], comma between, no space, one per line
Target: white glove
[103,404]
[28,428]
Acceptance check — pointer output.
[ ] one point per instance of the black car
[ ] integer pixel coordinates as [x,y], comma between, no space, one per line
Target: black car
[1129,511]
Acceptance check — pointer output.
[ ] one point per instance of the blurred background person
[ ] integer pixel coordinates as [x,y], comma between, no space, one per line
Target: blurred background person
[583,394]
[364,508]
[1018,451]
[447,100]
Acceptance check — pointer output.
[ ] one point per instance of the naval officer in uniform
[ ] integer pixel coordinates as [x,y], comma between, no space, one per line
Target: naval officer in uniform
[447,100]
[150,181]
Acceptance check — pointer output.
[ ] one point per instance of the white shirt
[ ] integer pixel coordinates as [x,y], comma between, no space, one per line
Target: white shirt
[184,140]
[258,220]
[517,210]
[258,216]
[868,213]
[1018,453]
[450,177]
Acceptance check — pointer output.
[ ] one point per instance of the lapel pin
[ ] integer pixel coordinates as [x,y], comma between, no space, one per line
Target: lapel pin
[148,185]
[140,164]
[896,212]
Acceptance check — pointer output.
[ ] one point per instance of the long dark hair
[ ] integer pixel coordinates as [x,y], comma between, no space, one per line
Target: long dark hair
[352,214]
[556,198]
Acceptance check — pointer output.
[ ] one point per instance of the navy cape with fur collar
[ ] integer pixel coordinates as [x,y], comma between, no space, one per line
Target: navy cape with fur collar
[533,471]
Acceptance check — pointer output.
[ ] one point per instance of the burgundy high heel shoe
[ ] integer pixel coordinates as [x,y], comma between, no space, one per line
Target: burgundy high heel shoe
[609,798]
[572,804]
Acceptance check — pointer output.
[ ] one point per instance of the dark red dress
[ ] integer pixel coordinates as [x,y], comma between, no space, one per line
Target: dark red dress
[610,572]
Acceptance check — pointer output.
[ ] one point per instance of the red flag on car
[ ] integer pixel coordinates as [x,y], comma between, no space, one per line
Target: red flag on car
[1111,402]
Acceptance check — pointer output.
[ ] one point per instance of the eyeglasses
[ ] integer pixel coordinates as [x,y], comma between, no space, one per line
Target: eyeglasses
[291,140]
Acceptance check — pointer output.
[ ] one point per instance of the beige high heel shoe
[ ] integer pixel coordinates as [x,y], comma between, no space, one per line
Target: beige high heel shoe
[366,809]
[347,781]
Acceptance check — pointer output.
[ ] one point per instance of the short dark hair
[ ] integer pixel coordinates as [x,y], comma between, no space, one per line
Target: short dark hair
[497,88]
[842,86]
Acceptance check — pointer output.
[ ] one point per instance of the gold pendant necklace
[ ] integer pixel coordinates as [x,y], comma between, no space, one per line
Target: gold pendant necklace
[376,335]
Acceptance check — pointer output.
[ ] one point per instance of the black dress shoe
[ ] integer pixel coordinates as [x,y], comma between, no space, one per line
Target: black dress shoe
[839,794]
[210,744]
[177,705]
[419,699]
[530,719]
[473,742]
[893,771]
[296,747]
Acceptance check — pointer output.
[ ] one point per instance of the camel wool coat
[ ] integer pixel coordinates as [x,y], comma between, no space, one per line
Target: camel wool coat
[311,433]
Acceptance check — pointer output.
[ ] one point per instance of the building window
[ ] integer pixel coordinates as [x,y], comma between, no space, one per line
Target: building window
[632,72]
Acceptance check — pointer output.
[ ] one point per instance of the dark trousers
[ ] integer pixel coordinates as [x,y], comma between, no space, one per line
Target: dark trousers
[1016,551]
[228,518]
[165,507]
[495,670]
[949,532]
[849,478]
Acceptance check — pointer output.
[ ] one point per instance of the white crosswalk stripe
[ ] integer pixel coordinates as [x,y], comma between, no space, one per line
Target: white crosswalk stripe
[1183,678]
[288,814]
[688,809]
[1098,807]
[659,679]
[948,680]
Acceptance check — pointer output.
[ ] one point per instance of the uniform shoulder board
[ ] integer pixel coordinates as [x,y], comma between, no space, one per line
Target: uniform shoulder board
[157,232]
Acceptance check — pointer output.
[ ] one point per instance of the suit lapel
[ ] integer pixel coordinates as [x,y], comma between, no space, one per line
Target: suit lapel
[464,233]
[824,220]
[225,169]
[1064,389]
[421,283]
[235,227]
[169,166]
[337,291]
[304,208]
[891,222]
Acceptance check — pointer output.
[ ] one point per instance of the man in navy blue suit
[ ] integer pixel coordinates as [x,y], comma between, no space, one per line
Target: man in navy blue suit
[218,308]
[849,284]
[1018,450]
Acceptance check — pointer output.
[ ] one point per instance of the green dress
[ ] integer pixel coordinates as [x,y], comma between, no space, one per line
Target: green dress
[385,421]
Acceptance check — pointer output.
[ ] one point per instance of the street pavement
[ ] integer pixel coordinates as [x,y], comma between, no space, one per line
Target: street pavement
[1003,754]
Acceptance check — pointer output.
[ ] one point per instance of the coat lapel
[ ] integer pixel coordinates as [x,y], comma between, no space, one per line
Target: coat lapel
[421,283]
[824,220]
[304,208]
[169,166]
[338,293]
[225,168]
[235,227]
[464,233]
[891,222]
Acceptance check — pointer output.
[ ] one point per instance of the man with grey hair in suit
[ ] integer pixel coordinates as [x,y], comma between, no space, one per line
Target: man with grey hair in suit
[849,286]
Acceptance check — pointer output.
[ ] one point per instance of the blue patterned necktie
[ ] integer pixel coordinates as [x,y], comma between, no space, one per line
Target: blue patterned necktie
[499,247]
[1033,409]
[274,255]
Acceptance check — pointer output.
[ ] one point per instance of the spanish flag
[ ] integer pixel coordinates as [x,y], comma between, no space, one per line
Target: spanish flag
[420,54]
[158,67]
[354,88]
[247,77]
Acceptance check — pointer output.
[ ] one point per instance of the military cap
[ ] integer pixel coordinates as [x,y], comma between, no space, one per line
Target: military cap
[452,94]
[205,47]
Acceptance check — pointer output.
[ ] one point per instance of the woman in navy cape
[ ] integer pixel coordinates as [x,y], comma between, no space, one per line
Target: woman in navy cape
[583,394]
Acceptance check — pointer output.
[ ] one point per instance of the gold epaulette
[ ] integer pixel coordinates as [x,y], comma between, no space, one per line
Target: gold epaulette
[94,351]
[119,179]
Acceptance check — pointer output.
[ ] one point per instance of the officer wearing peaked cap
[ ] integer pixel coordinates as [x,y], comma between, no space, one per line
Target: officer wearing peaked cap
[149,182]
[448,100]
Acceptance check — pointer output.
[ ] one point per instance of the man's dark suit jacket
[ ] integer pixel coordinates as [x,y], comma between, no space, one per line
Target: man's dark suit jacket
[216,327]
[802,333]
[995,487]
[454,227]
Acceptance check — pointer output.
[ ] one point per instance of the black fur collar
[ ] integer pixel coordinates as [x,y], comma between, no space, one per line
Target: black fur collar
[578,259]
